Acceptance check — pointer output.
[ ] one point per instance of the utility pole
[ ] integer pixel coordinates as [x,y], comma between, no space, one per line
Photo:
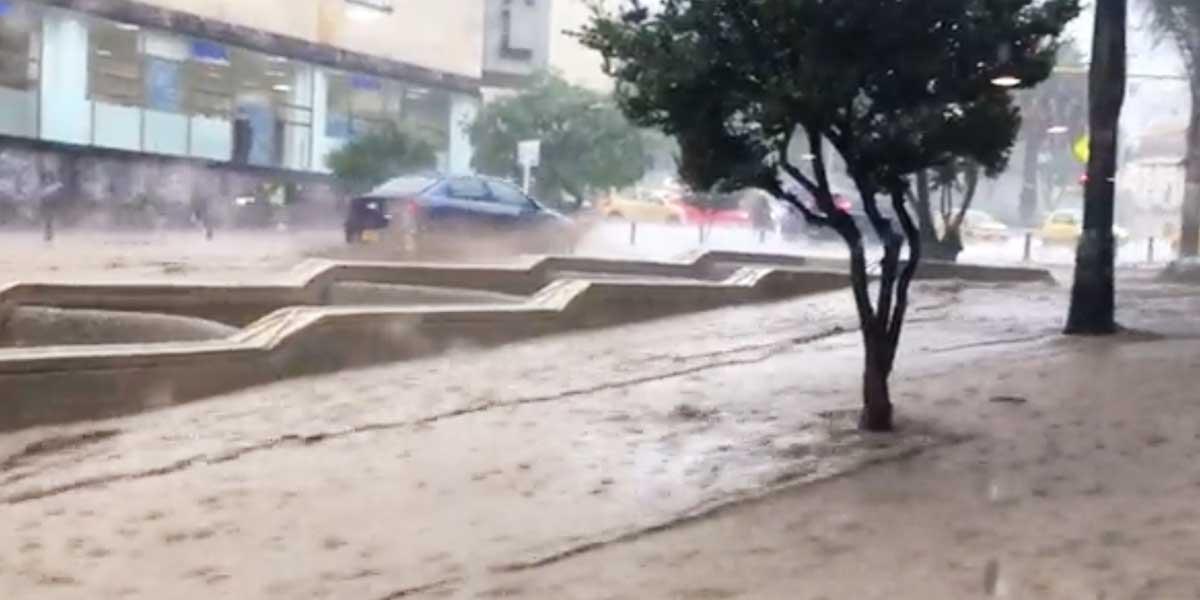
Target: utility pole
[1093,303]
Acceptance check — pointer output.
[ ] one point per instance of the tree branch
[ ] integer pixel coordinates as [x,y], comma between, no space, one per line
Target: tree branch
[971,174]
[906,276]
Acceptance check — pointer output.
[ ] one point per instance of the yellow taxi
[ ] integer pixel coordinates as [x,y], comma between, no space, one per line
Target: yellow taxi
[1065,226]
[645,207]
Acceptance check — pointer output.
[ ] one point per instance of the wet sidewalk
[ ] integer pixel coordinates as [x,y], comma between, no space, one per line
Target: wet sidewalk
[512,471]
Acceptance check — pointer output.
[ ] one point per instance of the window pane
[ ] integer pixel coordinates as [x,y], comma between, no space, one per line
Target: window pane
[428,111]
[273,104]
[466,188]
[367,94]
[508,194]
[20,26]
[116,73]
[338,115]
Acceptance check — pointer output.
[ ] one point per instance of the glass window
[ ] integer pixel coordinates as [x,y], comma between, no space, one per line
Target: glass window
[273,109]
[360,103]
[20,28]
[466,188]
[428,111]
[508,194]
[116,63]
[209,80]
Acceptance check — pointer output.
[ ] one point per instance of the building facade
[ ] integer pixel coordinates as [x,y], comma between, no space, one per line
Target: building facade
[121,99]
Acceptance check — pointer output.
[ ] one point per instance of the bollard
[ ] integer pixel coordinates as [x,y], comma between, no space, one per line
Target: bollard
[633,233]
[762,236]
[700,229]
[1028,246]
[1150,250]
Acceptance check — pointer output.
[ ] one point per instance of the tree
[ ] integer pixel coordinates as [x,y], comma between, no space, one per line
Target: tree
[1092,296]
[955,184]
[587,144]
[1180,19]
[379,155]
[894,87]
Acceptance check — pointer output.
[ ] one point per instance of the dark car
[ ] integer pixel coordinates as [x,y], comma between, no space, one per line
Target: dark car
[425,211]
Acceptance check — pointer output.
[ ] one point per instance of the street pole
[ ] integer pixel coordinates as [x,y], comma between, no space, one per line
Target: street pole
[1093,303]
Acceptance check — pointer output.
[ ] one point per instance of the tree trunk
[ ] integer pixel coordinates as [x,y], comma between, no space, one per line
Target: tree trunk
[1029,177]
[1092,296]
[877,404]
[1189,235]
[947,249]
[924,206]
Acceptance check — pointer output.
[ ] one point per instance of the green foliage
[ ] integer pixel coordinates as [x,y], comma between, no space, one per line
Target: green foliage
[587,144]
[894,85]
[387,152]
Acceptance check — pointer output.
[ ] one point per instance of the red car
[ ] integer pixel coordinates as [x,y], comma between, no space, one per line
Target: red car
[714,209]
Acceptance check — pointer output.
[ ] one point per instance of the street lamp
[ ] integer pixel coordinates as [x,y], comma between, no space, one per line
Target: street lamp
[1006,81]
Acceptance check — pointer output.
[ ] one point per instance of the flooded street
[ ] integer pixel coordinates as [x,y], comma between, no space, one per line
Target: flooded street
[676,453]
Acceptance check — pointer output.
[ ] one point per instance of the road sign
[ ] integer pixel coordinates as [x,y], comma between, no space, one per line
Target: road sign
[1083,148]
[529,153]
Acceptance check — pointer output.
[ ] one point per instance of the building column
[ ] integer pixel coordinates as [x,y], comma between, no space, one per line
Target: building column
[65,112]
[463,111]
[297,140]
[321,145]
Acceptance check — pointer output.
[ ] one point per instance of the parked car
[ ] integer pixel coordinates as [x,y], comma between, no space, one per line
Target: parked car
[426,211]
[644,207]
[711,209]
[978,225]
[1066,225]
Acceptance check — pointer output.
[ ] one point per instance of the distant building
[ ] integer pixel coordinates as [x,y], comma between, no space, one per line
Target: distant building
[526,36]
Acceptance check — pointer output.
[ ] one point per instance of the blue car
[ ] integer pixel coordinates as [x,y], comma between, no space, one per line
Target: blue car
[422,212]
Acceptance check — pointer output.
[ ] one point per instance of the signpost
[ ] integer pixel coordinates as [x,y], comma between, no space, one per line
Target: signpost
[1083,148]
[529,155]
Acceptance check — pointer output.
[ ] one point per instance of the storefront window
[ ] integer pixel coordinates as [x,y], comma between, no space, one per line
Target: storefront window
[20,27]
[361,103]
[118,85]
[428,111]
[116,63]
[273,110]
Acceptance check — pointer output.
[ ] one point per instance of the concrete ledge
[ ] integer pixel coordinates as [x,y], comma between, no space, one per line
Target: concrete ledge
[63,384]
[309,283]
[935,269]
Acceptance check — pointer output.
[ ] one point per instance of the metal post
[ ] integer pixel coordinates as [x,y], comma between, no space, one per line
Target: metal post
[762,236]
[633,233]
[700,229]
[1028,246]
[1150,250]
